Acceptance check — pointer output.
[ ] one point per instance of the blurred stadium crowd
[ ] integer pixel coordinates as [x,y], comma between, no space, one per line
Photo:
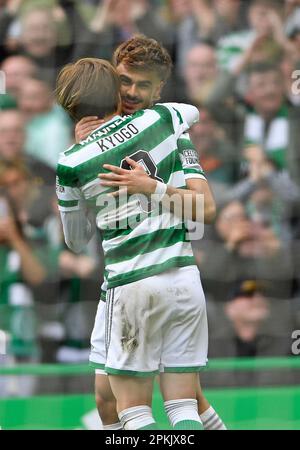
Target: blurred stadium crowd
[235,60]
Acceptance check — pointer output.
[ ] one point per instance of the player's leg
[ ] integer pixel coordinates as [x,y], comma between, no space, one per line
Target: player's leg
[134,317]
[179,393]
[184,348]
[105,401]
[203,403]
[187,341]
[207,414]
[134,400]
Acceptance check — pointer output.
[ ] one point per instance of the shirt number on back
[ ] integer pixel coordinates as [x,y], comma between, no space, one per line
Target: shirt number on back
[145,160]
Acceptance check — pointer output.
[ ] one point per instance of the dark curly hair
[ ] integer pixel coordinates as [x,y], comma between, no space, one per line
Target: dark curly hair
[144,54]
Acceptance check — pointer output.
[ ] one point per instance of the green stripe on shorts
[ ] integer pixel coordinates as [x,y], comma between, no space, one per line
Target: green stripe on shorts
[96,365]
[130,373]
[183,369]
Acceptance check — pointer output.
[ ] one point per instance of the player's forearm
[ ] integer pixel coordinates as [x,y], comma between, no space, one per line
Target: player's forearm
[189,204]
[195,203]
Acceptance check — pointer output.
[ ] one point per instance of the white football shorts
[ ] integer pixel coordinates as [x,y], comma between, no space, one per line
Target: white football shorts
[157,324]
[98,350]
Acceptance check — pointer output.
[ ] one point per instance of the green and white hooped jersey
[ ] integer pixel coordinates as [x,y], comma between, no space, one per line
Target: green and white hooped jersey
[155,241]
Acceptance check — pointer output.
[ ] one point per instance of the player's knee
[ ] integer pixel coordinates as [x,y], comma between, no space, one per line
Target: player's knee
[104,402]
[107,408]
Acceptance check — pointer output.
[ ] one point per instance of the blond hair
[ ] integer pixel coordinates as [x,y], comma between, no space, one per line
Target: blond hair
[88,87]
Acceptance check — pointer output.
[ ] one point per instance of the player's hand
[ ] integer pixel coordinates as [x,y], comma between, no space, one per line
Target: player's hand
[85,126]
[132,181]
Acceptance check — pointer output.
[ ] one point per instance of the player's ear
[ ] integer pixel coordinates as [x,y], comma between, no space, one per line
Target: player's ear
[157,91]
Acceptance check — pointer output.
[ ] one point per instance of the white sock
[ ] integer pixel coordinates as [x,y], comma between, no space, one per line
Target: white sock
[113,426]
[211,420]
[136,417]
[182,410]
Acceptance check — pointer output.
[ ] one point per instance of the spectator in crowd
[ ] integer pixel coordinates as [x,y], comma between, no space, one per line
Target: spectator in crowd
[53,275]
[265,39]
[247,309]
[8,11]
[230,18]
[269,196]
[267,124]
[249,324]
[36,36]
[69,276]
[40,42]
[12,143]
[21,270]
[68,281]
[18,69]
[12,147]
[192,20]
[115,21]
[15,182]
[264,118]
[48,128]
[200,73]
[216,154]
[247,248]
[12,133]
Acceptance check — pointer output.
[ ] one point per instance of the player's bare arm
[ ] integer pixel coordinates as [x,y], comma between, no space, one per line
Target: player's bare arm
[137,180]
[85,127]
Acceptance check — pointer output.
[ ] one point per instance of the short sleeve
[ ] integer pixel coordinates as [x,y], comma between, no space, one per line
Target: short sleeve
[182,116]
